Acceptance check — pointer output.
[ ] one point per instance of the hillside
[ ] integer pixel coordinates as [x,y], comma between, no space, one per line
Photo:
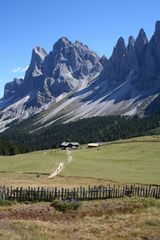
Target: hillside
[97,129]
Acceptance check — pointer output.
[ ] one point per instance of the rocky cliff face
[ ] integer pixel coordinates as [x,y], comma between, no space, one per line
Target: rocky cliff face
[126,60]
[12,88]
[55,73]
[139,60]
[67,67]
[127,83]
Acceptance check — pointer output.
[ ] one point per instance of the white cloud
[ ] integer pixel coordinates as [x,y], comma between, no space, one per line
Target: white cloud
[20,69]
[24,68]
[17,69]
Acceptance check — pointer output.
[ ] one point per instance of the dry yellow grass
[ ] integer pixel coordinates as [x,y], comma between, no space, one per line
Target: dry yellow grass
[129,219]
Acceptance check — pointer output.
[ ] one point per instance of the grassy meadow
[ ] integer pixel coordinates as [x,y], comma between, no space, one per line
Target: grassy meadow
[23,169]
[129,161]
[40,162]
[134,160]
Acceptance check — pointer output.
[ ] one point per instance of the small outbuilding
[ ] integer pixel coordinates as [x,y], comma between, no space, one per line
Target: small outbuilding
[69,145]
[64,145]
[93,145]
[74,145]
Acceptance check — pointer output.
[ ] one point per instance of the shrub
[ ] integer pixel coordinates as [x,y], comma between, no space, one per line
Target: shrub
[4,203]
[150,202]
[64,206]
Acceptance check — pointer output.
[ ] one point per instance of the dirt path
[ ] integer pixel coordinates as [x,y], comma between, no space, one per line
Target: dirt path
[58,170]
[61,165]
[69,156]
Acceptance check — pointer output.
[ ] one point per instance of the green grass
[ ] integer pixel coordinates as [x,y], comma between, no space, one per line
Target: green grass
[35,162]
[22,170]
[123,162]
[134,160]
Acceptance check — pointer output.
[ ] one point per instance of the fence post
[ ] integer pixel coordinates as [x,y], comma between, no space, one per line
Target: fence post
[68,193]
[20,194]
[106,195]
[89,192]
[80,192]
[17,193]
[157,191]
[38,195]
[149,191]
[62,193]
[55,192]
[109,192]
[65,193]
[77,194]
[59,193]
[83,194]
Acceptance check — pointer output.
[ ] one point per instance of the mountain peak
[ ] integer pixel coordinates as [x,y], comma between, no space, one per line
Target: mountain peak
[157,28]
[37,50]
[38,56]
[141,43]
[142,32]
[103,60]
[37,59]
[120,48]
[62,42]
[131,41]
[121,42]
[142,37]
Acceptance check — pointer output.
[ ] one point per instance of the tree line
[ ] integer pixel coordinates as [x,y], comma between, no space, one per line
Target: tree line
[96,129]
[7,147]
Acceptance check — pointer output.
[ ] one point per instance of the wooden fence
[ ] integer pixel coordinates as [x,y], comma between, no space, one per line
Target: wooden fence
[79,194]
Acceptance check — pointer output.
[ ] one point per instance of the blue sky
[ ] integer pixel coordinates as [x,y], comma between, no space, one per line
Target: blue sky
[97,23]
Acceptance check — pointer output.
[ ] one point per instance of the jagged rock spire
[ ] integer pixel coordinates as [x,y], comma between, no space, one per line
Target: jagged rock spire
[119,52]
[131,42]
[121,46]
[62,43]
[140,44]
[157,29]
[37,59]
[38,56]
[141,38]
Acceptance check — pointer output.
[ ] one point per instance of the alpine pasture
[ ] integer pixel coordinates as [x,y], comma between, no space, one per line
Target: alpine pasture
[128,161]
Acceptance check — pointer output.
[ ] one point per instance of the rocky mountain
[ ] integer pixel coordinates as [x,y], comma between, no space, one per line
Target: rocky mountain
[55,73]
[73,82]
[68,66]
